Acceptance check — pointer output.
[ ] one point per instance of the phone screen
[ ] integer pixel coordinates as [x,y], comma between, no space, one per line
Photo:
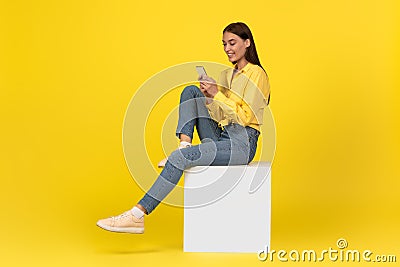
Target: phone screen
[201,71]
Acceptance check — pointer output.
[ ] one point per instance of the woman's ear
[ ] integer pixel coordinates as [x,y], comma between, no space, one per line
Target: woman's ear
[247,42]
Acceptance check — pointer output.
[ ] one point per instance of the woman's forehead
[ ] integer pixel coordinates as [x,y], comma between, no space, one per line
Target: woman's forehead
[228,36]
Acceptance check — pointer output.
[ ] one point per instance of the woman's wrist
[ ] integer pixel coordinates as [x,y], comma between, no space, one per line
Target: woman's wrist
[213,90]
[209,100]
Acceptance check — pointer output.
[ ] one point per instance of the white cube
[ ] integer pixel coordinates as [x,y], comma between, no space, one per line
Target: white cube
[227,208]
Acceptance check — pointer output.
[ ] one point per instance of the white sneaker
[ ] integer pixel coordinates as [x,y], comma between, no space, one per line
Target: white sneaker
[183,144]
[124,223]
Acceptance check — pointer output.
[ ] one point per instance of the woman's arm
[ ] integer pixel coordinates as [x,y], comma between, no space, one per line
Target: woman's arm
[232,107]
[209,88]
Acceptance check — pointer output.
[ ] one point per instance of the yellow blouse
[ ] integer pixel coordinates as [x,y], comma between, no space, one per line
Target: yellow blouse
[241,98]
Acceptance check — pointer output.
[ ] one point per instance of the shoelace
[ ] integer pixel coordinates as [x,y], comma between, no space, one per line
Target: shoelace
[119,217]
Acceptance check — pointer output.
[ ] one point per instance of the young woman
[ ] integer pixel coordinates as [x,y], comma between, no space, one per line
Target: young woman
[227,117]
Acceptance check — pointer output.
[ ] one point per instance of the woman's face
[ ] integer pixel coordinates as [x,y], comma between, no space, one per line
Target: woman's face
[234,46]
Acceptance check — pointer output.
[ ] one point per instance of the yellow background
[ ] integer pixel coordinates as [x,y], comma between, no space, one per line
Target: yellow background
[68,70]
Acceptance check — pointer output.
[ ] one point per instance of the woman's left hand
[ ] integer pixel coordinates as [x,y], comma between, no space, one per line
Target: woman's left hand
[208,85]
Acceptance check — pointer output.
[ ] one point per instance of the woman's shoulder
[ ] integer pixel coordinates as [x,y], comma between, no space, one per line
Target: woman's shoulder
[255,70]
[254,67]
[249,70]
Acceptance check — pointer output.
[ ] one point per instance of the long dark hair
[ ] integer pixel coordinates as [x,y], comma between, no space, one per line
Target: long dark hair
[243,31]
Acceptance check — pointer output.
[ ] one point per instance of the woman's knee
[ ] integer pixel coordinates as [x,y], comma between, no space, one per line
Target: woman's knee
[177,159]
[190,91]
[183,158]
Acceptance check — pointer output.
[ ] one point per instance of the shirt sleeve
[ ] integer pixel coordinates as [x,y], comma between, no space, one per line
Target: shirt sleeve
[255,98]
[242,109]
[215,111]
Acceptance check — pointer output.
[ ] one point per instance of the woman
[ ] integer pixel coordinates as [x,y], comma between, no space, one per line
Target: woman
[227,117]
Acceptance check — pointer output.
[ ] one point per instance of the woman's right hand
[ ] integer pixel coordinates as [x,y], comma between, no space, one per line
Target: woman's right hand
[203,88]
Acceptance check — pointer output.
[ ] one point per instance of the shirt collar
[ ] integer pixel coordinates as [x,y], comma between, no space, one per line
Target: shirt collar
[245,68]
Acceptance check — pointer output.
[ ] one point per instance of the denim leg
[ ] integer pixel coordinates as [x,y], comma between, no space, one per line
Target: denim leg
[178,161]
[234,147]
[164,184]
[193,112]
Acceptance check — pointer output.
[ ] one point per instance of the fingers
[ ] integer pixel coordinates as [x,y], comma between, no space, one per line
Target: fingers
[203,89]
[204,86]
[205,78]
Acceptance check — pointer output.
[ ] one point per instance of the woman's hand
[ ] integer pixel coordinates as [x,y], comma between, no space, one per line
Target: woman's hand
[208,87]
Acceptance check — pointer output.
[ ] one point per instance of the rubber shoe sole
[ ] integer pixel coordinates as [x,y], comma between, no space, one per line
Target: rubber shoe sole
[130,230]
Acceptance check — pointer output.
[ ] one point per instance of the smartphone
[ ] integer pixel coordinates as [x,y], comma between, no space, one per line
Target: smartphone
[201,71]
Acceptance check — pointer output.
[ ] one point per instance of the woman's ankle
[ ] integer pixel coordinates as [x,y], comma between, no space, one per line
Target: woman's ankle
[185,138]
[141,208]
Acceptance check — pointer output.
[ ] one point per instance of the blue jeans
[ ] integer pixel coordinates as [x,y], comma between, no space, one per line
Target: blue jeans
[232,145]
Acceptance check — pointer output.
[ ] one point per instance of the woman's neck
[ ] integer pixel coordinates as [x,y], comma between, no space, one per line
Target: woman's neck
[241,63]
